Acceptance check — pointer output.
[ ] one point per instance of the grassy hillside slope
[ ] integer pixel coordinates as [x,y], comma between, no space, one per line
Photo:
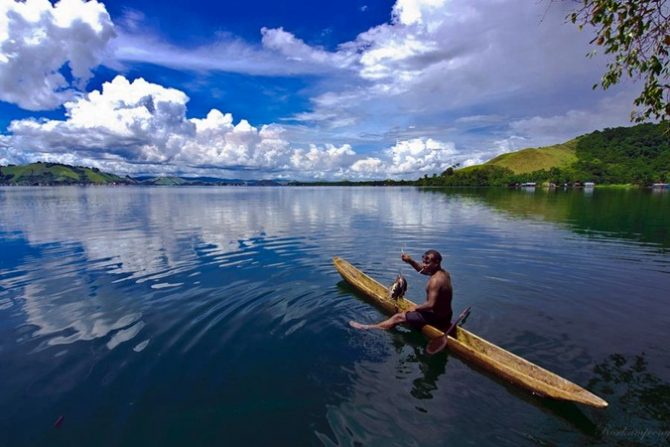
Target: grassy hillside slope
[534,159]
[57,174]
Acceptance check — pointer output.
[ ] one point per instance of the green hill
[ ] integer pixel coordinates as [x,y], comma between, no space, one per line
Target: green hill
[166,181]
[631,155]
[57,174]
[535,159]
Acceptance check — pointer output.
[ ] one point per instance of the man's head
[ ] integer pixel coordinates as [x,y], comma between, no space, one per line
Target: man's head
[431,262]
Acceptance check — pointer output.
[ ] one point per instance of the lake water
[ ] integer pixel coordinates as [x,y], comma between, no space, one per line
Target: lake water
[213,316]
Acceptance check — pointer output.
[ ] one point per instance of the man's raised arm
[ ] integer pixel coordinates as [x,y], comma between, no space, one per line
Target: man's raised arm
[408,259]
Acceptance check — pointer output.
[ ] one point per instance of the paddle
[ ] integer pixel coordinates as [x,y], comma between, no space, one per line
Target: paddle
[438,344]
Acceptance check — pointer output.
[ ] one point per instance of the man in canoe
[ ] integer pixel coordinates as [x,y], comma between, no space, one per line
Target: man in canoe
[436,311]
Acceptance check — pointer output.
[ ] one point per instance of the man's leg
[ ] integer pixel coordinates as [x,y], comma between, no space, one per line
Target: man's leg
[386,324]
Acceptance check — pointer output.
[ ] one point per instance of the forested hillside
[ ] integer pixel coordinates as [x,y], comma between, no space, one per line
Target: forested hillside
[633,155]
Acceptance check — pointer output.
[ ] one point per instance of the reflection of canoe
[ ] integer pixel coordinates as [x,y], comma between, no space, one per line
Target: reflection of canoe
[477,350]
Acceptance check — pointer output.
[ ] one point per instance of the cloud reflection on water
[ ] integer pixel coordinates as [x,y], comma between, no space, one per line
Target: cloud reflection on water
[158,235]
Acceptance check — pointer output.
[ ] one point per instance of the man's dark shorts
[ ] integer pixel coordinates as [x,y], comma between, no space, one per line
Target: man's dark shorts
[419,319]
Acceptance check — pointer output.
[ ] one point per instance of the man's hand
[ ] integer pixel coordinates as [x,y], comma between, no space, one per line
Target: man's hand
[408,259]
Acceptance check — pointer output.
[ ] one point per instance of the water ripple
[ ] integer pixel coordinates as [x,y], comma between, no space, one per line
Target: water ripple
[201,310]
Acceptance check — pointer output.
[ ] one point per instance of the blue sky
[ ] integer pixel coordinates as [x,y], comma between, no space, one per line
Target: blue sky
[294,89]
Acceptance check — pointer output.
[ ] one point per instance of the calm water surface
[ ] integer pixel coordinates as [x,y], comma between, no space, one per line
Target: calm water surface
[214,316]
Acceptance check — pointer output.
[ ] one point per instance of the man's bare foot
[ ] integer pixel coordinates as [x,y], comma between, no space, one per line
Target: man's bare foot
[436,345]
[357,325]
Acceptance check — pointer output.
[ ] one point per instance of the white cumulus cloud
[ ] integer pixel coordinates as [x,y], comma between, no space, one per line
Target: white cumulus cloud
[409,12]
[39,40]
[409,159]
[138,126]
[483,75]
[421,155]
[137,121]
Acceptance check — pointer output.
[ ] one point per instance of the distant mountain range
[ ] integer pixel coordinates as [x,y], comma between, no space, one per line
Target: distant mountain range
[203,181]
[51,174]
[634,155]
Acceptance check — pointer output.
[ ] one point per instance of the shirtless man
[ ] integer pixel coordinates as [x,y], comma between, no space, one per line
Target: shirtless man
[436,311]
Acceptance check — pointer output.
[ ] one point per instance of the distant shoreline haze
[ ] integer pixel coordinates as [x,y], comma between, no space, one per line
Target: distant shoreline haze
[638,155]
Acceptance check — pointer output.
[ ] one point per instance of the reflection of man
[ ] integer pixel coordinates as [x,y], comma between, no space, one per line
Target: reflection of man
[436,311]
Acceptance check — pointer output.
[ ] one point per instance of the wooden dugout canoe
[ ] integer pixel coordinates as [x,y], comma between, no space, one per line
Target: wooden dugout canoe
[476,350]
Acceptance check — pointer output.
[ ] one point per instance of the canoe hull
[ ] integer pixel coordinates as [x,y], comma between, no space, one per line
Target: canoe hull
[476,350]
